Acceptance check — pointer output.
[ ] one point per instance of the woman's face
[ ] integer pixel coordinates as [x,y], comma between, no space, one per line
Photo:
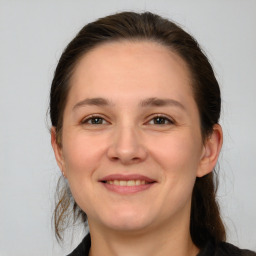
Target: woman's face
[131,141]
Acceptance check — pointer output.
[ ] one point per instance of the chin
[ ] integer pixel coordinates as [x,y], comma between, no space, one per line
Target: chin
[126,222]
[128,226]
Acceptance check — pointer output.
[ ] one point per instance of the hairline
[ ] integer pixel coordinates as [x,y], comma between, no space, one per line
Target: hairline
[131,39]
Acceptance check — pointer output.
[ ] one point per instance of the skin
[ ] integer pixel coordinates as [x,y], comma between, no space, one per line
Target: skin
[160,140]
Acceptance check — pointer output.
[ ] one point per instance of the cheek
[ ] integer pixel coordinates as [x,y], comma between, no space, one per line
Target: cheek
[178,152]
[178,156]
[81,154]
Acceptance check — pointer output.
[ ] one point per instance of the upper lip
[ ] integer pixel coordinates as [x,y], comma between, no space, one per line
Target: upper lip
[126,177]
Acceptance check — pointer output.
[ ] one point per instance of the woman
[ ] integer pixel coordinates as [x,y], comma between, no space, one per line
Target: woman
[135,107]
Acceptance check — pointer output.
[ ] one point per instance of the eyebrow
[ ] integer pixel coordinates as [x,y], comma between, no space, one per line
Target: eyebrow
[149,102]
[92,102]
[157,102]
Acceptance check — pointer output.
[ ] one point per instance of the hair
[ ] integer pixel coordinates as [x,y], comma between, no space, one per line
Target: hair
[205,220]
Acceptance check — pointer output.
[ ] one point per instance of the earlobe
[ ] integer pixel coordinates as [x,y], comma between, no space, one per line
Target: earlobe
[211,151]
[57,150]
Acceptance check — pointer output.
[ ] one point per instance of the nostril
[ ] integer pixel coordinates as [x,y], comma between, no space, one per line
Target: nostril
[115,158]
[126,153]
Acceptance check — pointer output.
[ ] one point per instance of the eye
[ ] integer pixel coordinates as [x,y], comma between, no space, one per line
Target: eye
[94,120]
[160,120]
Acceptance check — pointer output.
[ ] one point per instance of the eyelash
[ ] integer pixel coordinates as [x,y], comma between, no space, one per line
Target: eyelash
[163,117]
[158,116]
[93,117]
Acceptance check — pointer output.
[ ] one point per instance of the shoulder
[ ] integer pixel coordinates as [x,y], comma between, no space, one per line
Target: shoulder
[229,249]
[83,248]
[211,249]
[224,249]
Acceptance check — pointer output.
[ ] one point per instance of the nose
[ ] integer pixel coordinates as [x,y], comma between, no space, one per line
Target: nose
[127,146]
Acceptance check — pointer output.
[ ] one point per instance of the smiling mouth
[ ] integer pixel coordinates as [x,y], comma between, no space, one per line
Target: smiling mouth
[128,183]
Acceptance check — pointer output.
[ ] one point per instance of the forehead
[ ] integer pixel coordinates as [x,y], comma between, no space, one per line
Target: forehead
[131,66]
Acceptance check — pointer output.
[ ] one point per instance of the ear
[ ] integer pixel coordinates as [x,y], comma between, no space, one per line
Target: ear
[57,150]
[211,151]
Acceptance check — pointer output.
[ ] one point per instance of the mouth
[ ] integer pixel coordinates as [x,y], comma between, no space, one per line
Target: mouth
[126,184]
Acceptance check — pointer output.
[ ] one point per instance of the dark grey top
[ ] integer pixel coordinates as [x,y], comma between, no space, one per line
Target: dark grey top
[211,249]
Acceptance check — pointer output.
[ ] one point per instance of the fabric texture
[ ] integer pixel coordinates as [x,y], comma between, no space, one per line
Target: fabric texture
[221,249]
[83,248]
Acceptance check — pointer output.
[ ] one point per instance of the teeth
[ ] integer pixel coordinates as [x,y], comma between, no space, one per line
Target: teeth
[127,182]
[122,183]
[131,183]
[116,182]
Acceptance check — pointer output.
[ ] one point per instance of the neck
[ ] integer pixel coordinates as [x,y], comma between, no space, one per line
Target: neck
[163,242]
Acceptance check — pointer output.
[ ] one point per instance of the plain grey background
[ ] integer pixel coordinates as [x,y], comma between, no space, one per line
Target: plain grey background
[32,37]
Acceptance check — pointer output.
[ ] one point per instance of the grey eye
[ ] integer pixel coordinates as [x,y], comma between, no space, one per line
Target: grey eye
[160,120]
[94,120]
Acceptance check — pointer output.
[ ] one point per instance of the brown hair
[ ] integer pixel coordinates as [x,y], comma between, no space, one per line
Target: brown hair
[205,220]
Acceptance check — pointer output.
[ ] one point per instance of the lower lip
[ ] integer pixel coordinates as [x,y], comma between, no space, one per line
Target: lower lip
[127,189]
